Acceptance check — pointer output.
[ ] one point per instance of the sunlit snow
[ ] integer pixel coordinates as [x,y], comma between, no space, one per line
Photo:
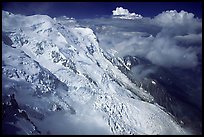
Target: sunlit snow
[63,81]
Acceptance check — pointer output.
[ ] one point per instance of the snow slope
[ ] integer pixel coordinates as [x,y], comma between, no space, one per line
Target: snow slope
[63,80]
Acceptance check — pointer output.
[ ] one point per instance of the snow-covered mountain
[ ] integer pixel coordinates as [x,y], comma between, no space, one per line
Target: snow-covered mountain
[67,84]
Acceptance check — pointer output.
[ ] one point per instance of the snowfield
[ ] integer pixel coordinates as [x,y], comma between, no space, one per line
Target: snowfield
[66,85]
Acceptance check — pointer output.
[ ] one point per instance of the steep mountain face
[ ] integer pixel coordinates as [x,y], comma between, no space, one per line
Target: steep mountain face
[168,87]
[66,84]
[173,89]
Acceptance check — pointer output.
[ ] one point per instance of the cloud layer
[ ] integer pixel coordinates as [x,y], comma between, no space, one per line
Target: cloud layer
[170,39]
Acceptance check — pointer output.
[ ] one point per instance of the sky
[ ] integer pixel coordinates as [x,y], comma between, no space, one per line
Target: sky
[81,10]
[169,39]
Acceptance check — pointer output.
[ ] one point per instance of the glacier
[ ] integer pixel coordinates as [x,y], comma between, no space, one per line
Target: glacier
[66,84]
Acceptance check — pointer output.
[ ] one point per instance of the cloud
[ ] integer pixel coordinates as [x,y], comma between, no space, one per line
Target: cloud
[84,122]
[178,23]
[161,51]
[173,18]
[140,71]
[170,39]
[189,39]
[166,53]
[122,13]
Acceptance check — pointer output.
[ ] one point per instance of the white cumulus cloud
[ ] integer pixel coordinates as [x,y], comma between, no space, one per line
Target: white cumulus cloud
[172,17]
[178,23]
[122,13]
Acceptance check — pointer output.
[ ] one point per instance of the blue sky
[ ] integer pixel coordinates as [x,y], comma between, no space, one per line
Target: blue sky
[80,10]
